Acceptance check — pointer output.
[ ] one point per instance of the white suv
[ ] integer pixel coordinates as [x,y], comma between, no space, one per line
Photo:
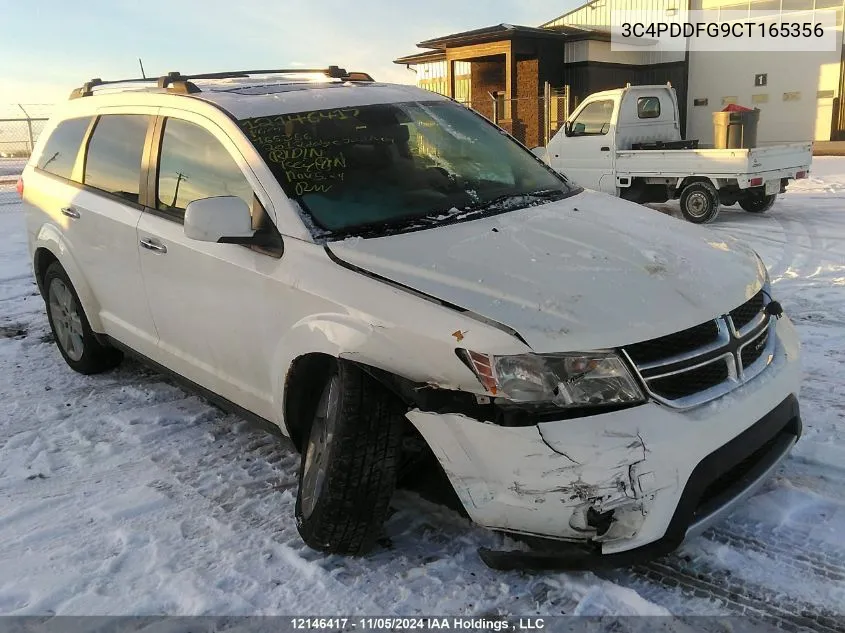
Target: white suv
[363,264]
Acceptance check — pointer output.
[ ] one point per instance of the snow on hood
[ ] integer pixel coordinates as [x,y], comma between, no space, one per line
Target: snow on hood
[590,271]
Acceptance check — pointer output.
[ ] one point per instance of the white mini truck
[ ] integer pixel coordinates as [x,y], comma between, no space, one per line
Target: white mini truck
[627,143]
[379,272]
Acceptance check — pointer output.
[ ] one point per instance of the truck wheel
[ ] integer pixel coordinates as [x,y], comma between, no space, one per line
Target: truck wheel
[71,330]
[349,461]
[700,202]
[758,203]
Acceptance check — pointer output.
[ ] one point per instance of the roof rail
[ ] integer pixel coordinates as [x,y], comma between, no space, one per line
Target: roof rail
[179,83]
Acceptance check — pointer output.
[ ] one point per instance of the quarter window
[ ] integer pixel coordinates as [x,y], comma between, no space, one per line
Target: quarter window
[62,147]
[594,119]
[113,160]
[648,107]
[194,165]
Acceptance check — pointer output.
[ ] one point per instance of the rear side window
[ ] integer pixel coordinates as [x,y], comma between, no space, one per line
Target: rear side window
[648,107]
[194,165]
[62,147]
[113,160]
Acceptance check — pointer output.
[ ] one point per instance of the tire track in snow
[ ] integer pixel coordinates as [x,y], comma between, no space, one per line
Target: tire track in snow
[698,580]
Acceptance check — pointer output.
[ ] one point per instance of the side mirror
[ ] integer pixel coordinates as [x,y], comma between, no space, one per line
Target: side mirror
[225,219]
[567,128]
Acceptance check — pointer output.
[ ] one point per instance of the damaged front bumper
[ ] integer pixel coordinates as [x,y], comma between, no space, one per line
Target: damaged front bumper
[631,483]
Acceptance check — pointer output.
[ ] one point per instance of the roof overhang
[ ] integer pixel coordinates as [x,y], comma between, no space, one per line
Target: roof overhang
[421,58]
[498,33]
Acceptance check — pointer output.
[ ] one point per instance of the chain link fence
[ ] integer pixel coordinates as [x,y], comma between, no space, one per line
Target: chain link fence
[532,120]
[20,126]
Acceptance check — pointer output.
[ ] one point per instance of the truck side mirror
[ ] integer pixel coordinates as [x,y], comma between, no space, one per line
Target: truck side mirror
[567,128]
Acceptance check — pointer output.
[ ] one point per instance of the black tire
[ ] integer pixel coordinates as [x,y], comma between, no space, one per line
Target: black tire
[700,202]
[73,335]
[758,203]
[349,462]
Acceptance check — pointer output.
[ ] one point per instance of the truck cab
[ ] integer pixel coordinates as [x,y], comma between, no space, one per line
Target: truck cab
[611,120]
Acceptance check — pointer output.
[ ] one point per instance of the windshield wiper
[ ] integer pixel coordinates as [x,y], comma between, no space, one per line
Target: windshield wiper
[441,217]
[520,200]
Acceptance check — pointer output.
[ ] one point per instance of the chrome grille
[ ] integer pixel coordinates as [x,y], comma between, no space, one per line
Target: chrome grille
[701,363]
[748,311]
[686,340]
[691,380]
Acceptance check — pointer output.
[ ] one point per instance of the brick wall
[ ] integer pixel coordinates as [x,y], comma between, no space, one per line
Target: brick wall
[528,111]
[487,76]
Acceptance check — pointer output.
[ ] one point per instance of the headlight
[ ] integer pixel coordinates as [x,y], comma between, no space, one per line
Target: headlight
[565,380]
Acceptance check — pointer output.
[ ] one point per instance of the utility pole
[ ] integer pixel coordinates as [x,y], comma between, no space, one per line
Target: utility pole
[179,178]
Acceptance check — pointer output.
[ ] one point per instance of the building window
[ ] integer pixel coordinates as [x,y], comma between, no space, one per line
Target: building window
[648,107]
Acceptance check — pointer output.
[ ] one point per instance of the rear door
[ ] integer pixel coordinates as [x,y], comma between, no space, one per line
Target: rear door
[586,154]
[104,214]
[217,307]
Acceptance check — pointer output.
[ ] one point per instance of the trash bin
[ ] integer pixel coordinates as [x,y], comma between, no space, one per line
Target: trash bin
[735,127]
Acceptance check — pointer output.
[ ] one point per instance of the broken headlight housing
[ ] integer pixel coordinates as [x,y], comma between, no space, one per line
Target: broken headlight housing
[571,379]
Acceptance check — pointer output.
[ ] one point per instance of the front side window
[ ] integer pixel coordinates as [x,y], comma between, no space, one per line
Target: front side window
[194,165]
[113,159]
[380,169]
[648,107]
[594,119]
[62,147]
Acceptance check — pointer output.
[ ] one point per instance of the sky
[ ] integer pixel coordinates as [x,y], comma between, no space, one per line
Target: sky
[49,47]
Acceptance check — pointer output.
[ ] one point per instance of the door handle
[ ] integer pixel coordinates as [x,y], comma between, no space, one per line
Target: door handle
[153,245]
[604,148]
[70,212]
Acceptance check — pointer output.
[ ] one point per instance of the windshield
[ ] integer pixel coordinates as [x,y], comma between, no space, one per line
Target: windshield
[388,168]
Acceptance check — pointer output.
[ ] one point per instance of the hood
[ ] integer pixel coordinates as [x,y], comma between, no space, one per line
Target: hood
[586,272]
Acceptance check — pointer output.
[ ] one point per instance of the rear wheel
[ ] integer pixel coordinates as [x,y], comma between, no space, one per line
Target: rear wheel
[349,461]
[700,202]
[71,330]
[758,203]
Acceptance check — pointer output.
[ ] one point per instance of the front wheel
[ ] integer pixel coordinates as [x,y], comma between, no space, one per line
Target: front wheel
[349,462]
[700,202]
[758,203]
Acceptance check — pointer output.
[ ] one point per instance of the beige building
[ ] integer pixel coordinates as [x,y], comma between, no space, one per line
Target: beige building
[503,71]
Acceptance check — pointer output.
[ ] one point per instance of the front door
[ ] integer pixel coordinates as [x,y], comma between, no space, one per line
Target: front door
[585,154]
[214,305]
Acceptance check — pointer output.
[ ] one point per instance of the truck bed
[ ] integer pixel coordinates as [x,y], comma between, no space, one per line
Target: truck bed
[713,162]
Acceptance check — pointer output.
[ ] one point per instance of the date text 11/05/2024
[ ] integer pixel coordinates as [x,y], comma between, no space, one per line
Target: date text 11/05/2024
[465,623]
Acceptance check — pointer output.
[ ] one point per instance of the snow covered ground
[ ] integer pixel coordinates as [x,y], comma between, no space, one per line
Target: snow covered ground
[122,494]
